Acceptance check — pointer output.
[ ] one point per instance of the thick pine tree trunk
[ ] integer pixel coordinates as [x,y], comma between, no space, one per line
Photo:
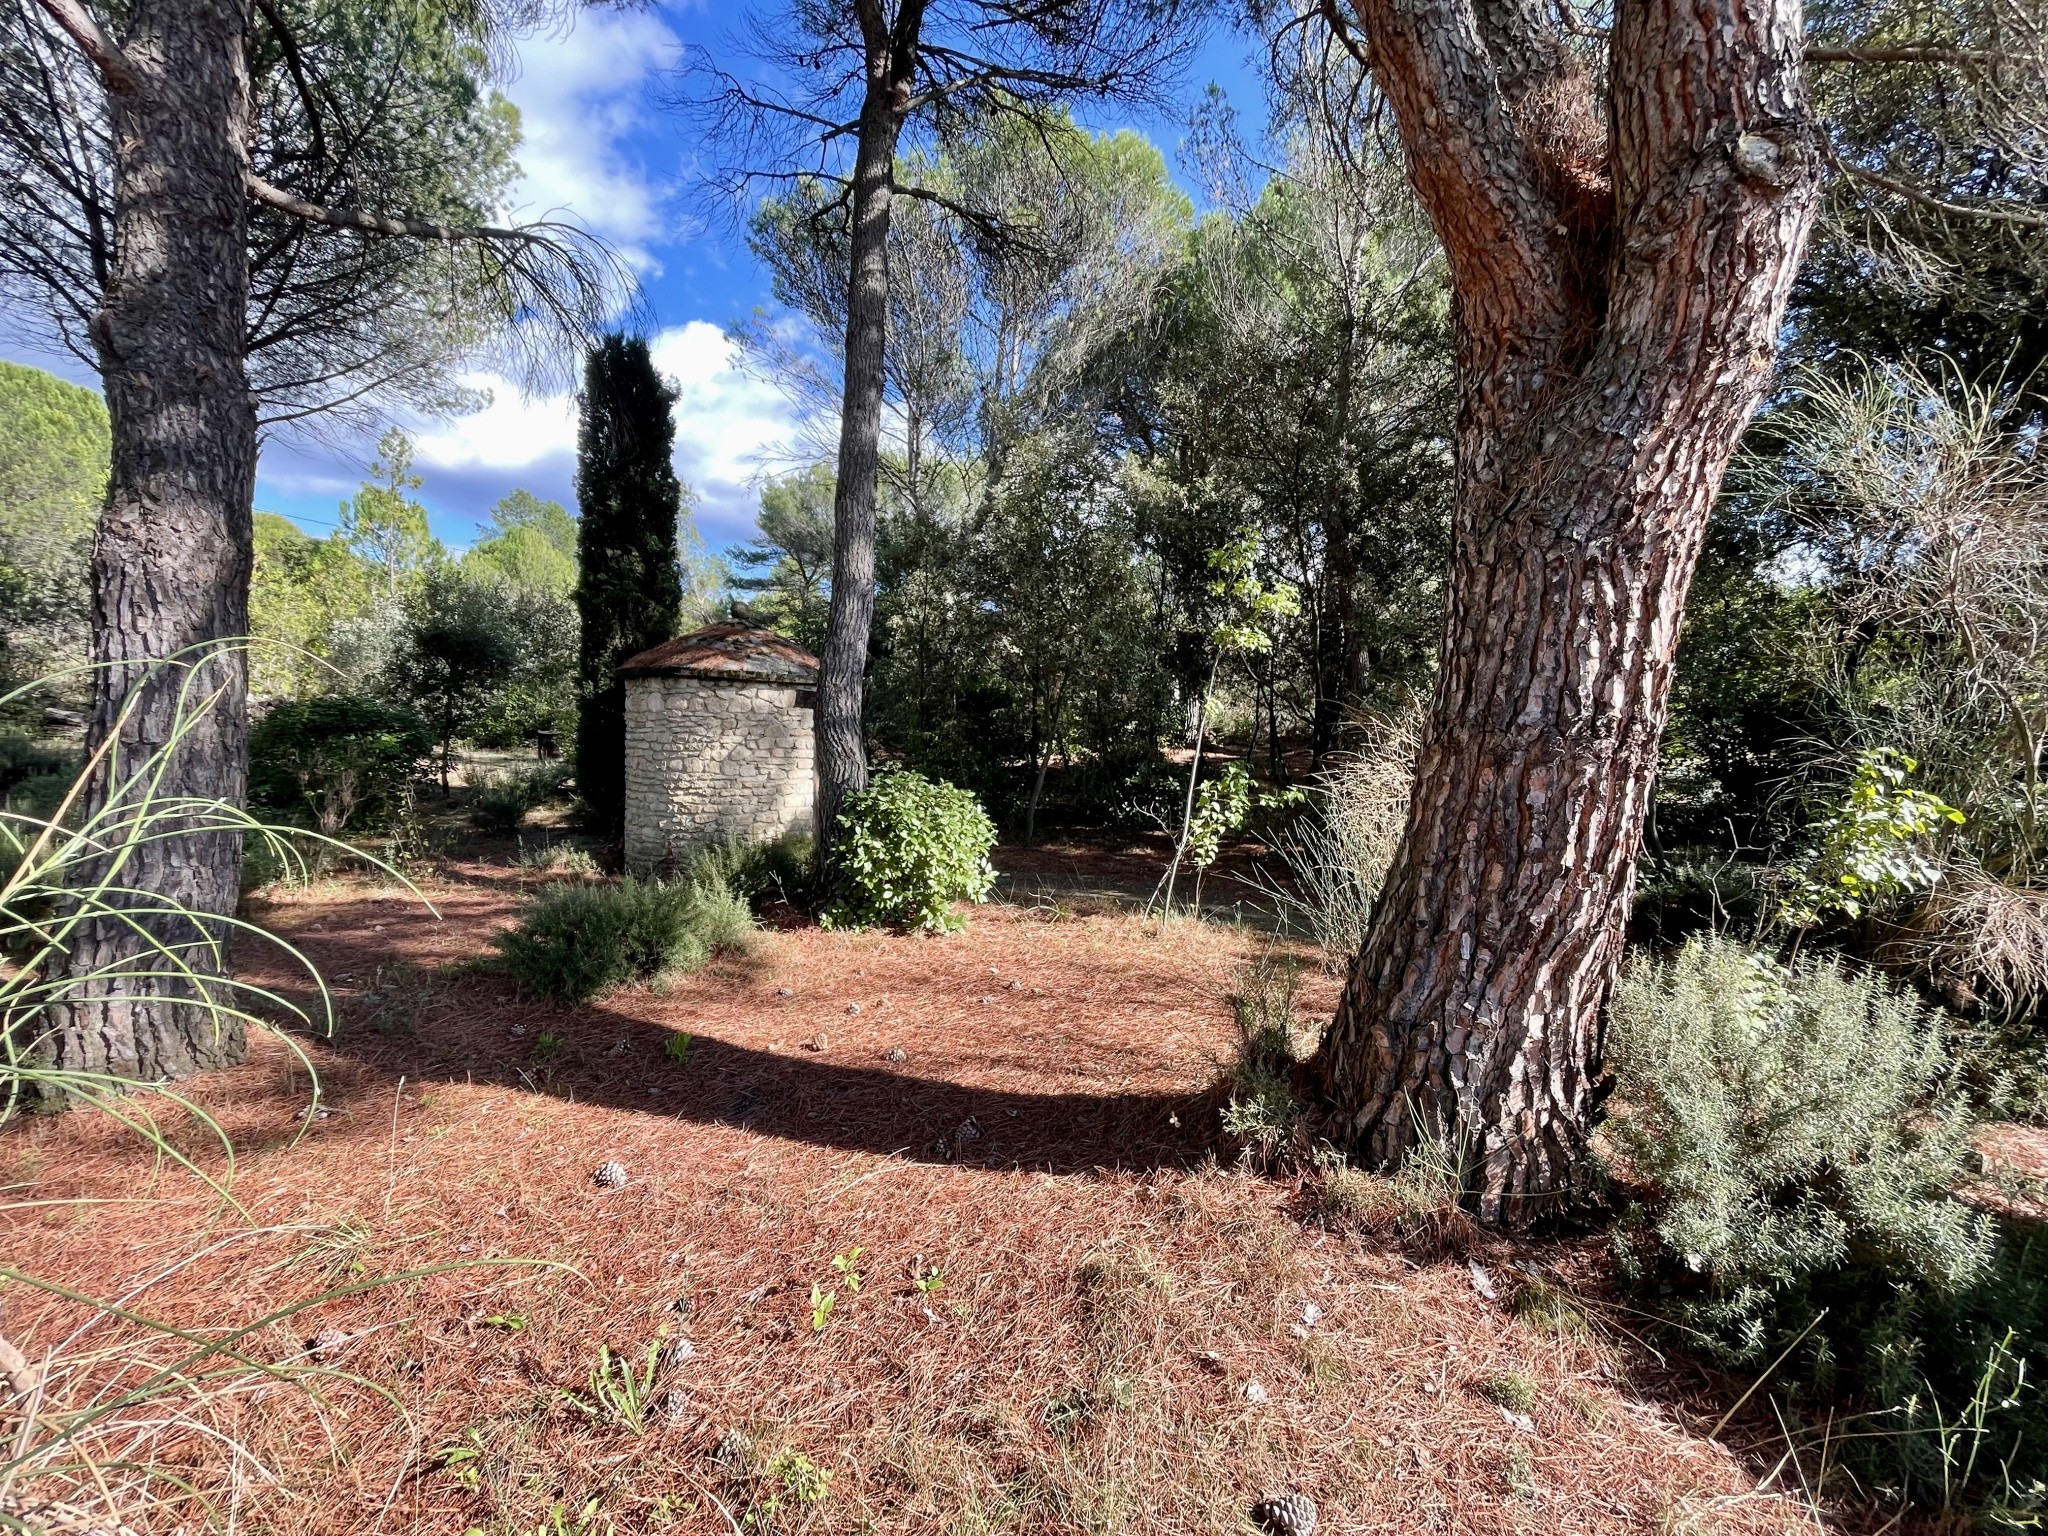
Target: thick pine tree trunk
[842,759]
[170,565]
[1618,304]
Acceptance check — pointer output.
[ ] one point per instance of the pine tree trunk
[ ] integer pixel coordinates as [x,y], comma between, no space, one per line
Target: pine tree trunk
[171,559]
[842,759]
[1618,305]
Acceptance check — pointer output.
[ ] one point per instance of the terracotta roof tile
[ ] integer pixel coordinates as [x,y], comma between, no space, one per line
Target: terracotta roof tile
[732,651]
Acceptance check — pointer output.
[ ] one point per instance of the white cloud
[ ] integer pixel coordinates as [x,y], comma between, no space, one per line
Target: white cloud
[515,430]
[582,98]
[727,424]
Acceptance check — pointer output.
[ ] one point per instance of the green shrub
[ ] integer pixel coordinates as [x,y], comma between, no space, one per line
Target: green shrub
[908,849]
[500,801]
[1261,1114]
[576,941]
[564,858]
[1795,1133]
[1875,846]
[762,872]
[1784,1121]
[335,759]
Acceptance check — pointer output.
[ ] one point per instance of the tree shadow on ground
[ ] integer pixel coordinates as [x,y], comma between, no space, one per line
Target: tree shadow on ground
[595,1055]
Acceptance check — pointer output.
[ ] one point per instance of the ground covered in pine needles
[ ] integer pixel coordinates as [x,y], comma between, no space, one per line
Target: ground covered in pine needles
[941,1220]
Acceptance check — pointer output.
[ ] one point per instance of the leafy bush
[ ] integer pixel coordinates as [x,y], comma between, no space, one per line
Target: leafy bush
[908,849]
[564,858]
[1785,1121]
[499,803]
[576,941]
[335,758]
[1870,847]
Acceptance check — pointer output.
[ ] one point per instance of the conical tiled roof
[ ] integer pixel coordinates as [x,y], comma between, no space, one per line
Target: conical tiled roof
[731,652]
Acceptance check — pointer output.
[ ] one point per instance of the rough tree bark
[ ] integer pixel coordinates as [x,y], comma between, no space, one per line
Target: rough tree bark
[170,561]
[173,550]
[1618,292]
[842,759]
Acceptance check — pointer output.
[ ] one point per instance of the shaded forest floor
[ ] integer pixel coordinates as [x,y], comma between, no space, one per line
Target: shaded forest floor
[1122,1336]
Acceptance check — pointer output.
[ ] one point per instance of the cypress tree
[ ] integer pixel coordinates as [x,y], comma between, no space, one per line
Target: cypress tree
[629,591]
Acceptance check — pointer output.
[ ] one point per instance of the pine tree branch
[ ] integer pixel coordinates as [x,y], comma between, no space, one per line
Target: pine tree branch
[2019,217]
[1912,53]
[1341,30]
[295,65]
[93,40]
[992,227]
[383,224]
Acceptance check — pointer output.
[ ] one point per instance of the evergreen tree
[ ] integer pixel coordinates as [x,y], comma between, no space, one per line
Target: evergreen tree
[629,589]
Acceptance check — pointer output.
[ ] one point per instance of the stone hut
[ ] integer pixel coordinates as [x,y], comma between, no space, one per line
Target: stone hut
[718,743]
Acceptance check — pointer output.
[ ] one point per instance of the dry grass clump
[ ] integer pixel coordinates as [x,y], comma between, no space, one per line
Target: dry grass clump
[1345,1193]
[1420,1204]
[1512,1390]
[1982,939]
[1549,1307]
[1337,856]
[1261,1116]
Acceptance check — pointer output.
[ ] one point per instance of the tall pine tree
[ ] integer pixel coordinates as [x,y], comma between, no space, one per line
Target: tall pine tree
[629,590]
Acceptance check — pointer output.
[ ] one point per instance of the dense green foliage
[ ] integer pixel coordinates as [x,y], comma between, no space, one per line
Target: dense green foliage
[576,941]
[531,545]
[789,567]
[53,478]
[481,645]
[1081,445]
[911,849]
[335,761]
[783,870]
[456,650]
[629,592]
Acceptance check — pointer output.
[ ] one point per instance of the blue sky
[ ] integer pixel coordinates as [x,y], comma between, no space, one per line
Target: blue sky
[600,147]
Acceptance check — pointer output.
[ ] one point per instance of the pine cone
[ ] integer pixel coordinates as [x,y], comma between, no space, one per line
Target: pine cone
[329,1343]
[611,1175]
[1290,1514]
[734,1456]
